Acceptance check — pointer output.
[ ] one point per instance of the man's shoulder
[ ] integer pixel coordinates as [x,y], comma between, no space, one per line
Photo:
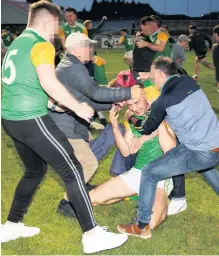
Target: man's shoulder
[80,25]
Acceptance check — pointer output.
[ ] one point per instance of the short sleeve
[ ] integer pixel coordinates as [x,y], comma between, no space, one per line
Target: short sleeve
[99,61]
[162,37]
[43,53]
[61,32]
[85,31]
[122,39]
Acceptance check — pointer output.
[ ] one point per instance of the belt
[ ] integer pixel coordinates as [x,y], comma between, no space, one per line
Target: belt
[215,150]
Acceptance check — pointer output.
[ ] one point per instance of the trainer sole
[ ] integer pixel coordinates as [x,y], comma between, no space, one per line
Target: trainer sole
[130,234]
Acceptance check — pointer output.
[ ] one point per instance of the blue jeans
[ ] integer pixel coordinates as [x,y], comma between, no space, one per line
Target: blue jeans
[177,161]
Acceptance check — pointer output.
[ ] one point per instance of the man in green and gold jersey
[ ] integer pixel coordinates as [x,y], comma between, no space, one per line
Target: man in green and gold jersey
[28,77]
[71,26]
[126,40]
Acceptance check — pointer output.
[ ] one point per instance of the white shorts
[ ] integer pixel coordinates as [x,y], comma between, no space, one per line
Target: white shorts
[133,178]
[129,54]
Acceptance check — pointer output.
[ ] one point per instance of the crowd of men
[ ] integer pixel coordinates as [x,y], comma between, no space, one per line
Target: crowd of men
[47,113]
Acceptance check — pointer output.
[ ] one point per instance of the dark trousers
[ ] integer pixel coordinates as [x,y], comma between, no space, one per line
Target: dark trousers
[39,142]
[101,146]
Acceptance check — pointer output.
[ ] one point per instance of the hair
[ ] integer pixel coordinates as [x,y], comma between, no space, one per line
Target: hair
[43,5]
[216,30]
[193,27]
[87,23]
[124,30]
[157,19]
[146,19]
[70,9]
[166,27]
[166,65]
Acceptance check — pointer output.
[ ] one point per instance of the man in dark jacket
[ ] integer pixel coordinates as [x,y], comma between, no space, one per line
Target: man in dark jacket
[197,130]
[73,74]
[200,42]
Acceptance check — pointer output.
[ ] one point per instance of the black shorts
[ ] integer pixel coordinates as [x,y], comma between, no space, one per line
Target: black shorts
[201,55]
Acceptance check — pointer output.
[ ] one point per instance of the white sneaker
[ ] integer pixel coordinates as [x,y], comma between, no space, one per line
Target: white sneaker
[176,206]
[11,231]
[101,240]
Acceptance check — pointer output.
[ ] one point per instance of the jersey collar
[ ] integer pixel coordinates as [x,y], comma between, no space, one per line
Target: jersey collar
[33,30]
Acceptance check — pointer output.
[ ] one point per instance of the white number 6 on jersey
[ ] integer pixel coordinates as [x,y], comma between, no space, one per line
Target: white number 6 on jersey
[9,64]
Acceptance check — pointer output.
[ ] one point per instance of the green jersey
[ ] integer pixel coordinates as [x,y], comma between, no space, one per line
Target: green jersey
[7,39]
[99,72]
[126,40]
[67,29]
[22,95]
[161,36]
[149,151]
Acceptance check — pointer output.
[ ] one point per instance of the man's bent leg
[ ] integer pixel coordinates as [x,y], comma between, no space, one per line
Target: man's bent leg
[212,178]
[85,157]
[177,161]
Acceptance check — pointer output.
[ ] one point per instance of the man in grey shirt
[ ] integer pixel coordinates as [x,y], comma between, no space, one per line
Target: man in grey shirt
[75,77]
[178,50]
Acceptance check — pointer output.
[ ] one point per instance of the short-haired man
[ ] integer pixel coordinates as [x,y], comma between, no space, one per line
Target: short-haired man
[71,25]
[126,40]
[28,78]
[197,130]
[178,52]
[72,73]
[198,43]
[92,31]
[216,53]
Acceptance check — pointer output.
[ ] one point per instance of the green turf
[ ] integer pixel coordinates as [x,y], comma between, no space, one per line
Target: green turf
[194,231]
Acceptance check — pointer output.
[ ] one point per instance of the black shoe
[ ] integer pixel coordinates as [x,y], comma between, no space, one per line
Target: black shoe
[90,186]
[65,208]
[103,121]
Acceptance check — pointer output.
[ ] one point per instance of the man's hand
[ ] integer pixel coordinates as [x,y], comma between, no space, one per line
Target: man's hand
[137,92]
[138,33]
[119,105]
[143,75]
[113,118]
[84,111]
[104,18]
[141,44]
[128,114]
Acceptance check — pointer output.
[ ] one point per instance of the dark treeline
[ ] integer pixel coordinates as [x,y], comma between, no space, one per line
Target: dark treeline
[117,10]
[120,9]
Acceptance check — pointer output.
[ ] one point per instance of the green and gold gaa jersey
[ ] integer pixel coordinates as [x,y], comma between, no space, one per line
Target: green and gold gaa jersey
[66,30]
[22,95]
[126,40]
[156,38]
[99,71]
